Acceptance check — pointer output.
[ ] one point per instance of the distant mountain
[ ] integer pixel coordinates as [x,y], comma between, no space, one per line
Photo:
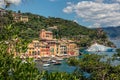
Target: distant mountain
[113,32]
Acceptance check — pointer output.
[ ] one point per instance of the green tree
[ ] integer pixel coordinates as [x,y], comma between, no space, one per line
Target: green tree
[98,70]
[14,68]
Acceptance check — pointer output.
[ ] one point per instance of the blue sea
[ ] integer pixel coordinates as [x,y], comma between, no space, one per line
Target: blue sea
[116,42]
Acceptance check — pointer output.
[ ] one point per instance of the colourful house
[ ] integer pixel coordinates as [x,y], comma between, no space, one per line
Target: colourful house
[47,46]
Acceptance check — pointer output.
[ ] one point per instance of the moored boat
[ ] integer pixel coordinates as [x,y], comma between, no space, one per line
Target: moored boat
[45,65]
[57,63]
[53,61]
[59,59]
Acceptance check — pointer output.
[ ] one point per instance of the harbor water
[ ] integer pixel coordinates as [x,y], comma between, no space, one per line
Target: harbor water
[64,67]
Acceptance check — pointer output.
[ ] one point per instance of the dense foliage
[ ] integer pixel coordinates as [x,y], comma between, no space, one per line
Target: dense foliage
[14,68]
[97,69]
[118,53]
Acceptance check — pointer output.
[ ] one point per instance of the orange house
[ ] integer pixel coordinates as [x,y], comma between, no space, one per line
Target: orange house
[48,35]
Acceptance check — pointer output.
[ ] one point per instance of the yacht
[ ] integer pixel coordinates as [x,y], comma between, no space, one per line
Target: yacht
[45,65]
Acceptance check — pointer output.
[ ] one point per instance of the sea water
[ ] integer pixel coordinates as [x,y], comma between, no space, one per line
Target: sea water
[64,67]
[116,42]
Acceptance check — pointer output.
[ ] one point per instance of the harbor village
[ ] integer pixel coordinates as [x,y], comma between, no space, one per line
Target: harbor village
[47,46]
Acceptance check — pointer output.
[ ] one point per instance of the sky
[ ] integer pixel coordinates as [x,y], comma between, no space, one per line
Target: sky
[89,13]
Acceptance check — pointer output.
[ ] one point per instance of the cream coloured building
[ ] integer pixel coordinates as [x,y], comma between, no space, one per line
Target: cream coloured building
[17,17]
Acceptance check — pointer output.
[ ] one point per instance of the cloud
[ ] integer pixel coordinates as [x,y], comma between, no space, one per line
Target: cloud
[101,13]
[1,3]
[95,25]
[68,9]
[69,3]
[117,0]
[15,2]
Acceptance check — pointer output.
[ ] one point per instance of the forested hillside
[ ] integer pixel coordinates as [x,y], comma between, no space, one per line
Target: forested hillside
[27,31]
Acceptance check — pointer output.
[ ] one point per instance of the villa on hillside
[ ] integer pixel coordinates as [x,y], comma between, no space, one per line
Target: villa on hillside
[48,46]
[19,17]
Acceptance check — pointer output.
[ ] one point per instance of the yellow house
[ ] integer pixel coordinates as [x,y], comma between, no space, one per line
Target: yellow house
[24,18]
[34,48]
[72,48]
[19,17]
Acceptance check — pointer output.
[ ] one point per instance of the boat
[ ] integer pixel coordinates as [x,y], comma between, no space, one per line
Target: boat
[59,59]
[53,61]
[57,63]
[99,48]
[118,58]
[45,60]
[45,65]
[59,55]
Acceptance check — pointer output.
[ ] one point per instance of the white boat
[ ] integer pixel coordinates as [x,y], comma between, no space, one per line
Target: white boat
[99,48]
[53,61]
[45,65]
[59,59]
[57,63]
[118,57]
